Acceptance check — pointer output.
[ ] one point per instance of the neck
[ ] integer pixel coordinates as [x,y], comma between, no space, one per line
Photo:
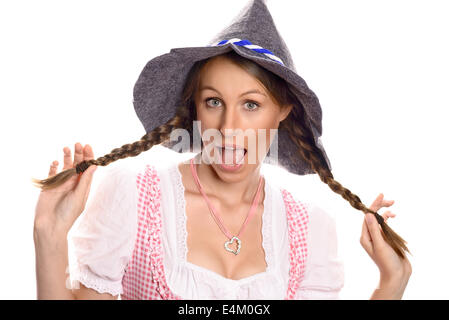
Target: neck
[231,193]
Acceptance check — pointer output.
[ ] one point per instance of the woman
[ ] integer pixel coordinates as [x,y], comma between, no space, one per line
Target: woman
[221,201]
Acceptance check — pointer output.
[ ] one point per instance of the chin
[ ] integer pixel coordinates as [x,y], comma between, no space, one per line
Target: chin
[236,175]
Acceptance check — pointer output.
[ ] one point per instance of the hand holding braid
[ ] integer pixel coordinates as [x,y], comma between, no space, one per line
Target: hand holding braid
[391,267]
[57,209]
[302,137]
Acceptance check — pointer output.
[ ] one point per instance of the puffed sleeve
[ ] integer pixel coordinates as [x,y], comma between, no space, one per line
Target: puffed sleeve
[102,239]
[324,271]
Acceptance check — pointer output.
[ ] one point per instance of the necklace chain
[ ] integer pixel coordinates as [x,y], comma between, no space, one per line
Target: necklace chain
[217,218]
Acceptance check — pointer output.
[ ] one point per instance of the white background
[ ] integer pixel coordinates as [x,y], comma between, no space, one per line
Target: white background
[379,68]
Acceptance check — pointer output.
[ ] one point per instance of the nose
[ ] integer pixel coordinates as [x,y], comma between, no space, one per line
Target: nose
[230,122]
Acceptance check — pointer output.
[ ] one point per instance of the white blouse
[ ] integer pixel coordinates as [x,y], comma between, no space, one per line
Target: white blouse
[102,242]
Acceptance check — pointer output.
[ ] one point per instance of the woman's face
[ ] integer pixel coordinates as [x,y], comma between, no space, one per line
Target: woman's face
[232,106]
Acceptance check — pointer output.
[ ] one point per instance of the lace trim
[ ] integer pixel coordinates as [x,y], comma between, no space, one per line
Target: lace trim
[155,235]
[146,276]
[181,217]
[298,222]
[90,280]
[267,226]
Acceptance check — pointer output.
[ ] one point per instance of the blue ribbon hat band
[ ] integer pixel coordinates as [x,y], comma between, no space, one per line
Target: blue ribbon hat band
[249,45]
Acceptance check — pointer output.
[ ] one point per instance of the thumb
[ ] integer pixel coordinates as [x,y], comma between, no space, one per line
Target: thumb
[373,228]
[85,180]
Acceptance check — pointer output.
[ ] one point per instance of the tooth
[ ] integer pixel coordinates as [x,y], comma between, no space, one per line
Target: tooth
[228,155]
[239,154]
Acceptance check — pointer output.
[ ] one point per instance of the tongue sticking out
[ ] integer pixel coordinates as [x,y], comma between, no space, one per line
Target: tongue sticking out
[231,157]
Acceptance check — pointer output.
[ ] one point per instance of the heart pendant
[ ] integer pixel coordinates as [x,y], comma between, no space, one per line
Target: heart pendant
[239,245]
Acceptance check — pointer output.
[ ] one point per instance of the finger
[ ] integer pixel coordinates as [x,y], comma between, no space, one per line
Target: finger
[68,164]
[380,202]
[88,152]
[53,168]
[387,203]
[365,239]
[83,187]
[365,233]
[86,193]
[377,203]
[78,154]
[373,229]
[388,214]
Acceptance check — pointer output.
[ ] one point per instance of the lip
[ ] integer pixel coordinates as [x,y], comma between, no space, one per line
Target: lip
[232,168]
[233,146]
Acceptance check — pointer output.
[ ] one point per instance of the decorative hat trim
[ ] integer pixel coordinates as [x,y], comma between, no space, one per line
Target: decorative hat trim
[247,44]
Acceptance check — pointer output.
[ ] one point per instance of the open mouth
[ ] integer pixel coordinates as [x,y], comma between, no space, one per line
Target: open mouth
[231,156]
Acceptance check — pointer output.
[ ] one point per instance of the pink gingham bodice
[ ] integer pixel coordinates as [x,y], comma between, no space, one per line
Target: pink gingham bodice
[135,243]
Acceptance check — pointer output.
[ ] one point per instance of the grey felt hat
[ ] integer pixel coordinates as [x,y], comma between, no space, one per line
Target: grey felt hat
[253,35]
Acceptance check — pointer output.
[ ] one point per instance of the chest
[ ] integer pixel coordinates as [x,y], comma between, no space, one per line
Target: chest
[206,241]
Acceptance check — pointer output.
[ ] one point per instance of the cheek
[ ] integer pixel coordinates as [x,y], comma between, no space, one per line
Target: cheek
[269,117]
[267,121]
[207,120]
[270,124]
[264,139]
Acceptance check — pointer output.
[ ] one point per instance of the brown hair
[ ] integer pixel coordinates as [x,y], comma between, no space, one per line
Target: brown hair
[186,113]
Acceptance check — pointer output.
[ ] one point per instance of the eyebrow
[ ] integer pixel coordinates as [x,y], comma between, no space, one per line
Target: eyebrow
[247,92]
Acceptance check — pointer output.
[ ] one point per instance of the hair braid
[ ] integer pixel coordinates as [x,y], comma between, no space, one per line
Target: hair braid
[303,138]
[157,136]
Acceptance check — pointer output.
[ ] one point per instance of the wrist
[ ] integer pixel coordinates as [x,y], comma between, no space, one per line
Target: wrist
[390,288]
[395,280]
[47,241]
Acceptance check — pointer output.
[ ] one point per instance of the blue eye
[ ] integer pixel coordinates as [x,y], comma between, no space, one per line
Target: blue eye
[250,102]
[255,104]
[209,99]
